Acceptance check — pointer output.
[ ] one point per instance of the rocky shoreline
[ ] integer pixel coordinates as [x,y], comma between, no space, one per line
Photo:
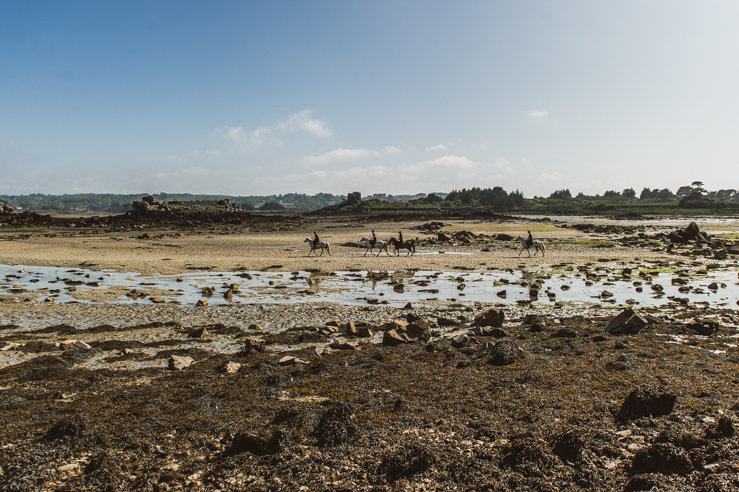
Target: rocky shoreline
[436,395]
[535,400]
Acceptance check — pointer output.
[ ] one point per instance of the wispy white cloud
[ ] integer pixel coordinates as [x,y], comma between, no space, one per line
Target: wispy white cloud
[300,121]
[238,135]
[193,155]
[343,154]
[555,176]
[436,147]
[538,114]
[504,164]
[303,121]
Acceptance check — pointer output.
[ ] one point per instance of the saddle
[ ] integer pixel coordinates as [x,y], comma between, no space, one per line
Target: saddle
[372,242]
[529,242]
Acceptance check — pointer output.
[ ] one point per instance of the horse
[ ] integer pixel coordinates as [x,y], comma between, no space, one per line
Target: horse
[404,245]
[313,246]
[378,244]
[539,245]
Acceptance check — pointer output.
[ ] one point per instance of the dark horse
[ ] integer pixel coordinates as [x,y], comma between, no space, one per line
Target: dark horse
[405,245]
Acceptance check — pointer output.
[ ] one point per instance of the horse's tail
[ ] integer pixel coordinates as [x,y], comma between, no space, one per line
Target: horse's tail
[543,248]
[328,247]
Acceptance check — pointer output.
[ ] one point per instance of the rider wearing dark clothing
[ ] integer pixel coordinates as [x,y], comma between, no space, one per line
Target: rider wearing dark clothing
[400,237]
[374,238]
[530,240]
[316,239]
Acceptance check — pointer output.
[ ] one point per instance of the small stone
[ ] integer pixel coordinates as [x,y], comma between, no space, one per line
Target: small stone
[201,303]
[199,333]
[230,367]
[343,346]
[180,362]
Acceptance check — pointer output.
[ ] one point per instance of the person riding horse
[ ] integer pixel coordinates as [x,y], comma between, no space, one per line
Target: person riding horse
[400,237]
[374,239]
[316,239]
[530,240]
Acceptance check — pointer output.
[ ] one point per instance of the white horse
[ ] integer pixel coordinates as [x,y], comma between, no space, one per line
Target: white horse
[313,246]
[378,244]
[539,245]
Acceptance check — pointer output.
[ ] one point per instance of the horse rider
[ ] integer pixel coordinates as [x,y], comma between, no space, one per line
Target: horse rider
[400,237]
[530,240]
[374,238]
[316,239]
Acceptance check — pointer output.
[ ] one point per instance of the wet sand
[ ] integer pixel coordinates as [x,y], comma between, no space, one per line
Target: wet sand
[172,254]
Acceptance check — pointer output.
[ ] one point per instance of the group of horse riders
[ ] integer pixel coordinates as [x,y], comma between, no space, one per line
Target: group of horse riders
[373,240]
[401,244]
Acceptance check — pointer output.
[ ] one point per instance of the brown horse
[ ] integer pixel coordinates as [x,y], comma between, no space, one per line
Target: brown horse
[405,245]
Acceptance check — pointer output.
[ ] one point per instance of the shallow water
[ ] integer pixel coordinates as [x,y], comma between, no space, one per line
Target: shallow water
[375,287]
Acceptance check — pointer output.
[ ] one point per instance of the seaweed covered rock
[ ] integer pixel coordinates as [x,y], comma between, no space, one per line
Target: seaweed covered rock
[335,427]
[65,428]
[664,458]
[646,401]
[504,353]
[529,455]
[267,442]
[406,461]
[704,327]
[723,429]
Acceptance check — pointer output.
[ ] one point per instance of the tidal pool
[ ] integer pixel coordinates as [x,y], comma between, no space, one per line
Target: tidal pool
[393,288]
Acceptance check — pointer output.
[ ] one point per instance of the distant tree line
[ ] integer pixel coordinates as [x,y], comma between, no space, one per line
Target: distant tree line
[693,193]
[496,198]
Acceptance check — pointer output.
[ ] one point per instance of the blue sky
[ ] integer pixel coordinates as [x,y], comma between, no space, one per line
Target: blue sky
[379,97]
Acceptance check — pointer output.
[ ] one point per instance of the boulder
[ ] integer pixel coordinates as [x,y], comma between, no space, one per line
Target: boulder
[391,338]
[504,237]
[180,362]
[350,329]
[418,330]
[692,231]
[704,327]
[627,322]
[364,332]
[460,341]
[491,317]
